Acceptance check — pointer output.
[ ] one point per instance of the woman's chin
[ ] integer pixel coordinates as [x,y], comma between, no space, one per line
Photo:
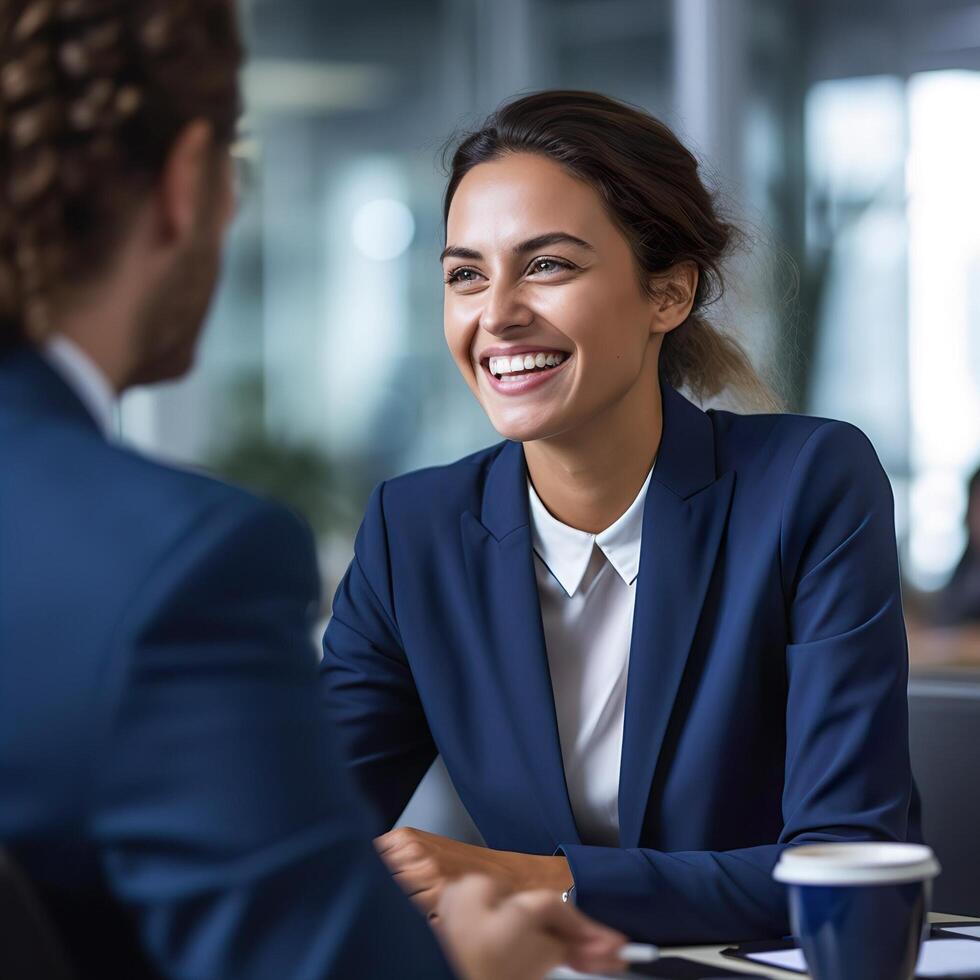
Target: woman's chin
[525,429]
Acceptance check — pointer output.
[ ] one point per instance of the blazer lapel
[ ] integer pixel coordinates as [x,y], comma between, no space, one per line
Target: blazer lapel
[500,565]
[683,523]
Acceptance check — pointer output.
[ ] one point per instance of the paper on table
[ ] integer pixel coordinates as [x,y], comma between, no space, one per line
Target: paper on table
[961,930]
[785,959]
[938,958]
[948,957]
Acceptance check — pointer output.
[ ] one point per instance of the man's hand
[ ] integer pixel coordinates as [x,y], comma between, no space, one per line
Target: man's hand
[488,934]
[423,864]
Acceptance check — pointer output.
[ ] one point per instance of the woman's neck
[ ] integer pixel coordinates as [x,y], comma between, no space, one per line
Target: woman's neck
[588,477]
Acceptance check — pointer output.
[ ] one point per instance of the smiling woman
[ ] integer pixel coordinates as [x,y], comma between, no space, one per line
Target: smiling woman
[654,645]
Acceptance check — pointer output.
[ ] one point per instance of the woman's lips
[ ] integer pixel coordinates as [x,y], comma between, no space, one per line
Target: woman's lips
[523,383]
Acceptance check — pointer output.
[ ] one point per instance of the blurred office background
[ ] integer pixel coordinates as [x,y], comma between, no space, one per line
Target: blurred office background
[844,133]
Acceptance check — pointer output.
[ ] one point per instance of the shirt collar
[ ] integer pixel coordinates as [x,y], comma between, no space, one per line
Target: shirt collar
[566,551]
[85,378]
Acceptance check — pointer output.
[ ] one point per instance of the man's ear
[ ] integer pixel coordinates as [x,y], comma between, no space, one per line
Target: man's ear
[674,292]
[183,183]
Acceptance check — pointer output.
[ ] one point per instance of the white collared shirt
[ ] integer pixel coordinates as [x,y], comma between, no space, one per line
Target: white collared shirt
[587,589]
[85,378]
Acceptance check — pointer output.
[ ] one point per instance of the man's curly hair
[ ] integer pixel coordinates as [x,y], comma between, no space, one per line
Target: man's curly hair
[93,94]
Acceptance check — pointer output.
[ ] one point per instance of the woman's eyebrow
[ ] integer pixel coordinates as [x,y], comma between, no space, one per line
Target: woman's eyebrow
[531,245]
[458,252]
[551,238]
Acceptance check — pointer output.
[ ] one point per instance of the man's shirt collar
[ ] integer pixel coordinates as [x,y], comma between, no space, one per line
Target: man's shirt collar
[85,378]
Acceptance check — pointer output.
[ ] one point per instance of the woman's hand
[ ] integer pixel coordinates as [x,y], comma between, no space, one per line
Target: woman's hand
[488,934]
[423,864]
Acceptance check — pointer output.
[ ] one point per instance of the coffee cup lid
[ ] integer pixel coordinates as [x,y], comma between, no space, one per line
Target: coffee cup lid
[856,863]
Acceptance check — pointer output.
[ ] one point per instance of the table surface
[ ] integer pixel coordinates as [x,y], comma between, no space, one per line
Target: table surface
[711,956]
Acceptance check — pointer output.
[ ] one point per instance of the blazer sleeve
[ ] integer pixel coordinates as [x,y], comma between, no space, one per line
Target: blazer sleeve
[223,815]
[366,683]
[847,772]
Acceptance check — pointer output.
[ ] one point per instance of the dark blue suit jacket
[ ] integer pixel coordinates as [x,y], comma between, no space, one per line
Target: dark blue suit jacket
[766,700]
[167,777]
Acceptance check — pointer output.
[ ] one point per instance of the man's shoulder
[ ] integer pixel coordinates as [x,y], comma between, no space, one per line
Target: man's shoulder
[181,491]
[143,495]
[197,510]
[120,514]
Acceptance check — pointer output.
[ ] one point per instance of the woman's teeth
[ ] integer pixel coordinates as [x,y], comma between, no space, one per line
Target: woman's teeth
[503,367]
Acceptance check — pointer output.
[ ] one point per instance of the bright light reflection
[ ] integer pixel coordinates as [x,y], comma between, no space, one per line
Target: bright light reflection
[383,229]
[853,127]
[366,304]
[944,345]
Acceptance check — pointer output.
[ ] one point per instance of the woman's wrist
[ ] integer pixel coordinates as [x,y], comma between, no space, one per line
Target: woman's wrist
[534,871]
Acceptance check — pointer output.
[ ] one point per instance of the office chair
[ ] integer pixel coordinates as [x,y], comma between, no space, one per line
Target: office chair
[29,946]
[944,736]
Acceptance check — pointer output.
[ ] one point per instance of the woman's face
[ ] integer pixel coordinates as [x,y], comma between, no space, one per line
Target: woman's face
[544,311]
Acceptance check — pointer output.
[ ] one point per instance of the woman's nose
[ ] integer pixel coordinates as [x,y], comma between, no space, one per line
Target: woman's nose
[504,310]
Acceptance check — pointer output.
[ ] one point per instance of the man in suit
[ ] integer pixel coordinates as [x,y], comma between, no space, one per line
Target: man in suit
[169,784]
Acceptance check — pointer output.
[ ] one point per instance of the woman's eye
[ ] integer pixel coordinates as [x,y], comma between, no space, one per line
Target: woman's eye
[548,265]
[462,276]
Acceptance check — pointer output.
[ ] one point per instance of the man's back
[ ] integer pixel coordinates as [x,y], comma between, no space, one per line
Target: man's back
[165,768]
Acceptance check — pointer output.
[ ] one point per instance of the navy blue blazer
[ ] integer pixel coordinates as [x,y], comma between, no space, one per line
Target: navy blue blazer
[766,699]
[167,776]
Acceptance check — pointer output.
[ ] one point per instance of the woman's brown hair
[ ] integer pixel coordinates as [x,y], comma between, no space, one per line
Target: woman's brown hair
[93,94]
[651,186]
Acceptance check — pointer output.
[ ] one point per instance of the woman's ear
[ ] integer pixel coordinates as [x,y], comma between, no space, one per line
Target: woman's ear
[673,296]
[184,182]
